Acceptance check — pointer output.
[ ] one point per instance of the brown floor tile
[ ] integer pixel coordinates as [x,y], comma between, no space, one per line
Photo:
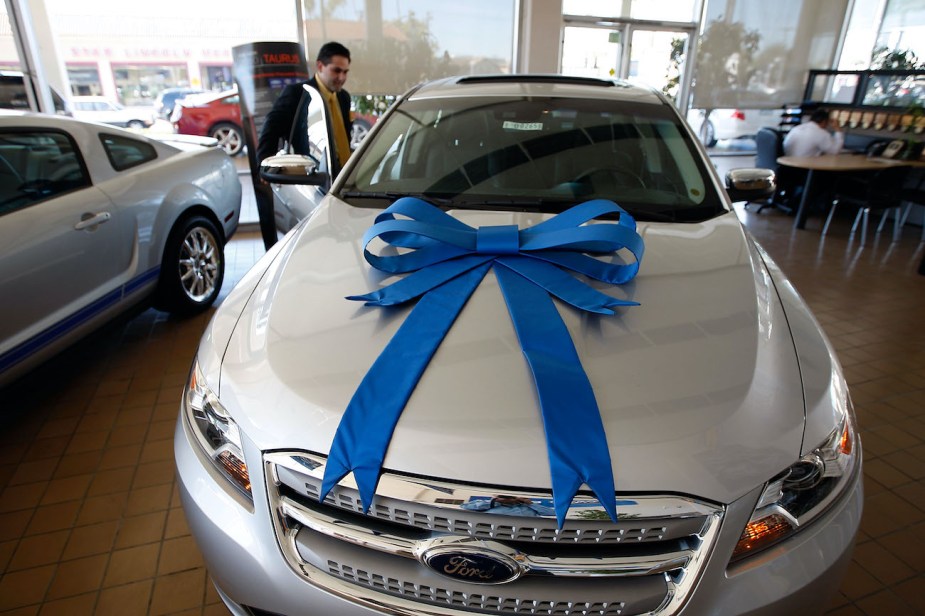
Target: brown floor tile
[180,554]
[53,517]
[178,591]
[886,602]
[176,524]
[154,474]
[47,448]
[72,606]
[79,576]
[16,498]
[102,508]
[22,588]
[141,529]
[92,539]
[7,548]
[69,488]
[126,599]
[148,500]
[38,550]
[132,565]
[111,481]
[119,457]
[14,524]
[882,564]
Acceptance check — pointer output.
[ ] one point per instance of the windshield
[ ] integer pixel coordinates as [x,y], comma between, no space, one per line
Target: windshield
[536,154]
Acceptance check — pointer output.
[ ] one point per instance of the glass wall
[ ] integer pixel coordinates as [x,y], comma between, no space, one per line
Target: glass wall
[397,44]
[757,54]
[903,27]
[654,10]
[9,58]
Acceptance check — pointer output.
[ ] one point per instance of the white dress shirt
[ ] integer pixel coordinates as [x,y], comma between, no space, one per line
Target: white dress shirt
[810,139]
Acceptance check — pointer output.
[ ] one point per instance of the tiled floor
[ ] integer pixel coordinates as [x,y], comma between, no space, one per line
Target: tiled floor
[90,522]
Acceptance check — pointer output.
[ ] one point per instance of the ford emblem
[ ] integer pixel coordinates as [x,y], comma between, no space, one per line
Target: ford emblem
[477,566]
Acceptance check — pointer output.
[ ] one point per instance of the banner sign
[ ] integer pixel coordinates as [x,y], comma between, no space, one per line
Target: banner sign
[261,71]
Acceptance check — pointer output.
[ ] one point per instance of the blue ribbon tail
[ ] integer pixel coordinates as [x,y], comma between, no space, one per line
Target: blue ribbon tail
[366,427]
[575,439]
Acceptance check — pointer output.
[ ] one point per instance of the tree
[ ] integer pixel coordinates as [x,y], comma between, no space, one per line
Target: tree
[673,76]
[884,58]
[726,62]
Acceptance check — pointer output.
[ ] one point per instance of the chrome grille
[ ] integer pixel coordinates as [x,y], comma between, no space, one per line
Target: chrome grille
[646,563]
[486,602]
[349,500]
[483,526]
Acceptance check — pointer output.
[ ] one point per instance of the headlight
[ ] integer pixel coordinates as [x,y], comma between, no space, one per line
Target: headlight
[215,430]
[803,492]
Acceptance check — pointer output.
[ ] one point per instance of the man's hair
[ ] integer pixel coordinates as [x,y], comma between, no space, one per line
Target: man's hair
[819,116]
[329,50]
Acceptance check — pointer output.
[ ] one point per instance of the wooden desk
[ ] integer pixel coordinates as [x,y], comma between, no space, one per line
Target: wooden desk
[835,163]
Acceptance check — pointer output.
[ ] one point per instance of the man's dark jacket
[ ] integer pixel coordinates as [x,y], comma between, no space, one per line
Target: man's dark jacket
[278,124]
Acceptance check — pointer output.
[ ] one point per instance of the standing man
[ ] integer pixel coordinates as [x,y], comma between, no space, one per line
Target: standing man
[813,138]
[331,68]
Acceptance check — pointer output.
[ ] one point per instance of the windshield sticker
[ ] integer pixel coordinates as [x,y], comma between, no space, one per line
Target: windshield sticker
[522,125]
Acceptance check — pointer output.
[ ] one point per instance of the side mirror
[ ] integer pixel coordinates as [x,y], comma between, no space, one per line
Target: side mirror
[750,184]
[292,169]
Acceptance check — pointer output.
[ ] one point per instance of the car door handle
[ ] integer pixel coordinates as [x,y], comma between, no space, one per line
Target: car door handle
[92,220]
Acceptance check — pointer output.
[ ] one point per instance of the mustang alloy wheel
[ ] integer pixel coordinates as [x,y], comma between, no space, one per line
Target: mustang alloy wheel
[193,267]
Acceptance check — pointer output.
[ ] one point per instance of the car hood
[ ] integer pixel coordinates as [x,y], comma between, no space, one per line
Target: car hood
[698,387]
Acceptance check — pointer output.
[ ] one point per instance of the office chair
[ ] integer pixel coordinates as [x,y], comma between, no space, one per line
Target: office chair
[879,191]
[769,143]
[913,193]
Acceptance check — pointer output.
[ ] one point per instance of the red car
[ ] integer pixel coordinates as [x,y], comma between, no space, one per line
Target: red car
[218,115]
[214,114]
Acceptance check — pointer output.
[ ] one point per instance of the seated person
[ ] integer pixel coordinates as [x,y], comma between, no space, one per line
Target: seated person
[813,138]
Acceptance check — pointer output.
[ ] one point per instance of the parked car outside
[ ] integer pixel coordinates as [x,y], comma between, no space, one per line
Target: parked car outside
[166,99]
[360,125]
[95,220]
[711,423]
[101,109]
[215,114]
[725,124]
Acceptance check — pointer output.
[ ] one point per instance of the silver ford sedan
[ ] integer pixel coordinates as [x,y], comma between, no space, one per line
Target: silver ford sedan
[520,357]
[95,220]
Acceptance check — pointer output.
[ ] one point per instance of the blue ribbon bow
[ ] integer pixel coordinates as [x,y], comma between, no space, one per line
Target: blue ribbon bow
[448,261]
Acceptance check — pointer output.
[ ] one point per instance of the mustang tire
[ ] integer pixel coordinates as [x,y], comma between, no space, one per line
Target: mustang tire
[193,267]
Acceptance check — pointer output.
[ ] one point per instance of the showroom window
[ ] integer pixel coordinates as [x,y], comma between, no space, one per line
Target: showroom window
[663,10]
[125,153]
[402,43]
[756,55]
[36,166]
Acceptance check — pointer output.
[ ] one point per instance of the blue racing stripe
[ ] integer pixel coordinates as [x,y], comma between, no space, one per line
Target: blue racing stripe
[139,281]
[42,339]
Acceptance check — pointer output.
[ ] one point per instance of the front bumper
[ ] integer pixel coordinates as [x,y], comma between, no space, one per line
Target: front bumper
[244,559]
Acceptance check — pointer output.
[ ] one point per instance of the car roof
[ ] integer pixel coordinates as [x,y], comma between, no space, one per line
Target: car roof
[537,85]
[210,97]
[58,121]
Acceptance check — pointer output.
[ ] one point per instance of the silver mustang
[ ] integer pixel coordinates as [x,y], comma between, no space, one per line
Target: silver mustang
[95,220]
[500,429]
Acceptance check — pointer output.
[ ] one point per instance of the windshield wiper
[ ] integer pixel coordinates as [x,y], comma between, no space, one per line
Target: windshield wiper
[649,216]
[360,194]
